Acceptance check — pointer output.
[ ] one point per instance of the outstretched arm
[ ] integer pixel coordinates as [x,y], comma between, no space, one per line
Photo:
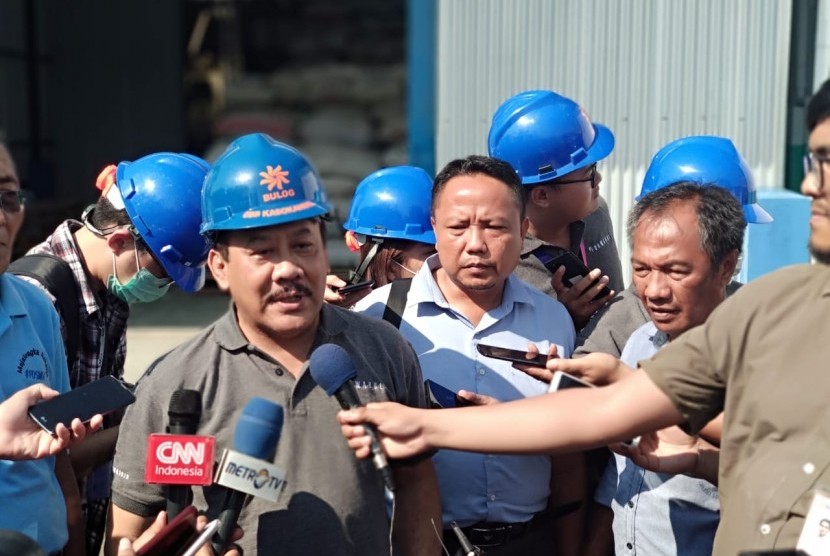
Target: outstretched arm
[559,422]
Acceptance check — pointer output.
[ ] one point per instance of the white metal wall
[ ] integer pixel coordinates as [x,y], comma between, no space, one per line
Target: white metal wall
[651,70]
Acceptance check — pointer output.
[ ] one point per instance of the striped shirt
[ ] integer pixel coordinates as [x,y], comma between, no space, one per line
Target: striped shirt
[102,348]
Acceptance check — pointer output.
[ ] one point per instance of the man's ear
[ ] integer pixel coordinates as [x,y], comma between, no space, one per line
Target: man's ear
[727,268]
[218,266]
[120,240]
[525,226]
[538,196]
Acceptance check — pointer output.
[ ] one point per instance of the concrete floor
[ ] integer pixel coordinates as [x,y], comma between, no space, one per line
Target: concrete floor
[156,328]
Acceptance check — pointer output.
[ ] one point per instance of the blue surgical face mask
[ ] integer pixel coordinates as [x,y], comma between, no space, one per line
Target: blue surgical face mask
[141,288]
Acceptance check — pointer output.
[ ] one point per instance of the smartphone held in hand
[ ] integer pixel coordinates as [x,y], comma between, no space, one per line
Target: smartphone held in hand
[575,270]
[513,355]
[103,396]
[440,397]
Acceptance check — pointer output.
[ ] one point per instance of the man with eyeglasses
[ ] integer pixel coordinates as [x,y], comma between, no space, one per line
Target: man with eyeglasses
[129,247]
[817,159]
[554,147]
[37,494]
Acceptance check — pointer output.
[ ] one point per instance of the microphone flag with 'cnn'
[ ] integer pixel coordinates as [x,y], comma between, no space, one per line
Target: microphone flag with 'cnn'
[179,459]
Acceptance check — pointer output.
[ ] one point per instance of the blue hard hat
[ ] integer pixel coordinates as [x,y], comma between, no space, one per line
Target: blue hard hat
[706,159]
[257,182]
[161,195]
[393,203]
[544,136]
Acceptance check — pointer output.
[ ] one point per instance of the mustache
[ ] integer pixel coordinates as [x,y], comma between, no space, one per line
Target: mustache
[288,290]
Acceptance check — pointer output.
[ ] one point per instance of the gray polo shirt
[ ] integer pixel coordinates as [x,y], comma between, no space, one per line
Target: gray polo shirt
[333,503]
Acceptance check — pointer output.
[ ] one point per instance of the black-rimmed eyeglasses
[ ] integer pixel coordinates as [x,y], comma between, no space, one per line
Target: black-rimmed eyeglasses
[592,177]
[12,201]
[814,164]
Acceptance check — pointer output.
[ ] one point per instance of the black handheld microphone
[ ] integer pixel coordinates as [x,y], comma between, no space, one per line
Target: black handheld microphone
[333,369]
[247,469]
[183,413]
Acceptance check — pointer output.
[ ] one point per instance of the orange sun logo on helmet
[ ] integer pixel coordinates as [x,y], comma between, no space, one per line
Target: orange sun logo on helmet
[274,177]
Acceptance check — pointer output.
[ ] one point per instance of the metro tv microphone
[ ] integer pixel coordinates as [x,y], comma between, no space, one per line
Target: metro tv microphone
[333,369]
[180,459]
[247,469]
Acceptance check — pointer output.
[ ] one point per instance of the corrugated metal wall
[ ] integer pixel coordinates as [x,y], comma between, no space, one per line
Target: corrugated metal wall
[651,70]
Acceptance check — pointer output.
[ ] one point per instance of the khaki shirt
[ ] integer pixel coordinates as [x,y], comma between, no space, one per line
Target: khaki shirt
[763,357]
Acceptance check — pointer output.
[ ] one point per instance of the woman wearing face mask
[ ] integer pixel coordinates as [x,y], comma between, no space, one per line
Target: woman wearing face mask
[389,224]
[129,247]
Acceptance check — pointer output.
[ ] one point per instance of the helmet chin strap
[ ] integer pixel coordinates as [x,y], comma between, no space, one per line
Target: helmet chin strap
[357,274]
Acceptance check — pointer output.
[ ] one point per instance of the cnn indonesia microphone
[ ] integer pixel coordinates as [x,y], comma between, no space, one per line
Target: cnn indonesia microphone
[333,369]
[183,416]
[183,459]
[247,469]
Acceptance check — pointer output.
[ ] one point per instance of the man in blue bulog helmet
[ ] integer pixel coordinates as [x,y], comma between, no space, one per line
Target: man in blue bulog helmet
[707,160]
[263,207]
[129,247]
[555,147]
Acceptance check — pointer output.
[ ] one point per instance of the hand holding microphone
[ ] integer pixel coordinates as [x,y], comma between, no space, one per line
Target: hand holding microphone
[333,369]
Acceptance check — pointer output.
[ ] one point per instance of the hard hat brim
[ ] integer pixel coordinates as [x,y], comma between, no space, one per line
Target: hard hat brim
[755,214]
[188,279]
[602,146]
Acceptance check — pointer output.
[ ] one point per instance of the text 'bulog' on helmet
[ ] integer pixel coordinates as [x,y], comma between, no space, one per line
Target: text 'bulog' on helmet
[257,182]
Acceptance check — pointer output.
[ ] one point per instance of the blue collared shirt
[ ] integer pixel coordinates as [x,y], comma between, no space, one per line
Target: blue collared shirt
[482,487]
[32,352]
[657,513]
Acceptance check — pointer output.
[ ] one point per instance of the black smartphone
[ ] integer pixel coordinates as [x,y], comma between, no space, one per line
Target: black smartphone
[176,536]
[440,397]
[513,355]
[103,396]
[349,288]
[575,269]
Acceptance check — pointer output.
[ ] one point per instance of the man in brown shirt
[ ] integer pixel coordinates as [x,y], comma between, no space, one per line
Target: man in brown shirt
[761,357]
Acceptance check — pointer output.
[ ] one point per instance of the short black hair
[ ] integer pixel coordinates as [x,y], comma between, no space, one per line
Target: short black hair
[106,217]
[721,220]
[477,164]
[818,109]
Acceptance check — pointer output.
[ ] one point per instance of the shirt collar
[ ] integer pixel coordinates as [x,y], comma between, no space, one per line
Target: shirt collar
[229,336]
